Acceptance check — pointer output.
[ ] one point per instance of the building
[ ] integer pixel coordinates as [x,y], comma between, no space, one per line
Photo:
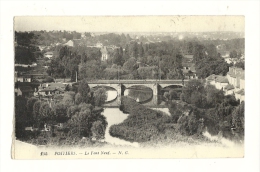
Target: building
[229,89]
[189,71]
[234,75]
[220,82]
[99,45]
[48,54]
[104,53]
[225,54]
[232,83]
[48,89]
[240,95]
[70,43]
[22,78]
[74,43]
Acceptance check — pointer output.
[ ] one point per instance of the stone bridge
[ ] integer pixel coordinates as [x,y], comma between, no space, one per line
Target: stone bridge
[121,85]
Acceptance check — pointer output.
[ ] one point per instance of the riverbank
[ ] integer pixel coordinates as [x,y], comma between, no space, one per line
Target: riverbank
[155,128]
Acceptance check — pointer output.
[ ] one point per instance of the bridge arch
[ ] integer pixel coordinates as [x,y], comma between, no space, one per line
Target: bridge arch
[152,86]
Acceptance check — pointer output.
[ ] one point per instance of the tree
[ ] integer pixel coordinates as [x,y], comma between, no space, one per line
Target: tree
[134,50]
[45,113]
[190,48]
[192,86]
[78,99]
[196,98]
[199,53]
[72,110]
[56,68]
[100,96]
[84,91]
[130,64]
[140,50]
[173,94]
[118,58]
[210,66]
[60,112]
[69,98]
[91,70]
[30,104]
[233,54]
[212,51]
[240,64]
[149,72]
[79,123]
[166,95]
[98,130]
[192,124]
[23,55]
[20,108]
[48,79]
[213,95]
[36,108]
[238,118]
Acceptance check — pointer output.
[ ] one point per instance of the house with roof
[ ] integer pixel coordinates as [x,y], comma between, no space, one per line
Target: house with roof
[48,54]
[229,89]
[74,42]
[234,76]
[189,56]
[210,80]
[232,83]
[221,82]
[240,95]
[49,89]
[189,71]
[23,78]
[70,43]
[104,52]
[224,54]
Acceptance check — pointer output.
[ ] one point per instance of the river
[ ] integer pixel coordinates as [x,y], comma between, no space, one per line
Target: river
[115,116]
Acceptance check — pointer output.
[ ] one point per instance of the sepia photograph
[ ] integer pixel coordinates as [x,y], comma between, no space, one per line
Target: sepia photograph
[129,87]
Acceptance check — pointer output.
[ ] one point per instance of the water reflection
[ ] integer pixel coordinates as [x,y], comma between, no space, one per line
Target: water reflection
[111,93]
[139,93]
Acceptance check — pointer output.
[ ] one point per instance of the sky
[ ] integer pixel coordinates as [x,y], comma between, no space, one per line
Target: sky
[132,23]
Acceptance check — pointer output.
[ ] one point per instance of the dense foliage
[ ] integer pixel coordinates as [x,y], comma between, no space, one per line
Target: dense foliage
[141,124]
[75,116]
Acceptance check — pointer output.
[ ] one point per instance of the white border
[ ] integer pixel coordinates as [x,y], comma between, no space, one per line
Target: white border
[248,8]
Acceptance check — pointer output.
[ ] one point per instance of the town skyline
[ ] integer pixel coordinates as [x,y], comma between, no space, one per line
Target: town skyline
[130,24]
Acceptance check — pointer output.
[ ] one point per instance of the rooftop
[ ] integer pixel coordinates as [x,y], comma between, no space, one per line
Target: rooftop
[189,56]
[26,89]
[212,77]
[229,87]
[222,79]
[241,92]
[49,53]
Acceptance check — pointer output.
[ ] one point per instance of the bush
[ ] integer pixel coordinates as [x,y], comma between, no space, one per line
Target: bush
[48,79]
[141,124]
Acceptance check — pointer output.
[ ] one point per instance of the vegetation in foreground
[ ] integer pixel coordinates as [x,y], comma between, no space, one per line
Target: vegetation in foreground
[76,119]
[188,120]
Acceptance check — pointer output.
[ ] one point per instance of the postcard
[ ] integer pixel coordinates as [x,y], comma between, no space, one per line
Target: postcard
[128,87]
